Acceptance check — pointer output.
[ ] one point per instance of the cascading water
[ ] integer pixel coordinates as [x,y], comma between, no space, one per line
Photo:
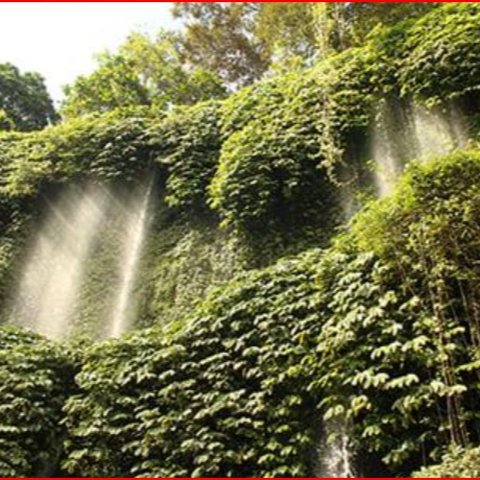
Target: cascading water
[81,267]
[136,225]
[408,132]
[437,133]
[384,143]
[348,202]
[334,457]
[46,296]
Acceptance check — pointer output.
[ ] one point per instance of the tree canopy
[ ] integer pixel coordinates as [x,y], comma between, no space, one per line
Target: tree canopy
[144,71]
[224,46]
[24,100]
[243,41]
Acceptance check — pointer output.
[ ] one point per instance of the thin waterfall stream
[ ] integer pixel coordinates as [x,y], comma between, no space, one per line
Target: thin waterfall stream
[137,223]
[402,133]
[48,297]
[334,454]
[384,148]
[45,298]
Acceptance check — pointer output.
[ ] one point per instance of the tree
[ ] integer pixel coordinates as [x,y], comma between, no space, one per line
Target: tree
[288,28]
[143,71]
[24,100]
[221,38]
[349,24]
[243,41]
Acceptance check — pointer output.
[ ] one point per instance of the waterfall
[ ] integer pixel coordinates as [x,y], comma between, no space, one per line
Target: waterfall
[437,133]
[387,168]
[402,133]
[384,148]
[67,253]
[334,458]
[52,274]
[348,202]
[136,229]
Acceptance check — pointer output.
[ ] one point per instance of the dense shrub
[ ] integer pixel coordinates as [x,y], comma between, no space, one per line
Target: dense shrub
[457,463]
[269,174]
[243,106]
[441,54]
[184,260]
[428,236]
[382,364]
[35,379]
[187,145]
[225,397]
[287,138]
[103,147]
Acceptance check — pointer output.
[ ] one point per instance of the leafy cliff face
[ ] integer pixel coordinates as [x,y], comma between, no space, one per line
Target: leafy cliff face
[273,159]
[385,338]
[35,379]
[220,398]
[379,332]
[183,261]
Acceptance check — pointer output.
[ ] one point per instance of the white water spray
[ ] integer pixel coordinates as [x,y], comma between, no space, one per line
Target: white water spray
[46,296]
[437,133]
[137,225]
[387,163]
[348,202]
[402,134]
[334,455]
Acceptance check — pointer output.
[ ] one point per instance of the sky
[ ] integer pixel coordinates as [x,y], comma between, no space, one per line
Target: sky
[60,39]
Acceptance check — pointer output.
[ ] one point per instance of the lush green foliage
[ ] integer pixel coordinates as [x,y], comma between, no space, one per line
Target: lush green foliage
[457,463]
[225,397]
[283,159]
[24,101]
[432,230]
[285,137]
[292,135]
[36,377]
[269,170]
[102,147]
[183,261]
[379,333]
[273,158]
[187,145]
[441,57]
[385,339]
